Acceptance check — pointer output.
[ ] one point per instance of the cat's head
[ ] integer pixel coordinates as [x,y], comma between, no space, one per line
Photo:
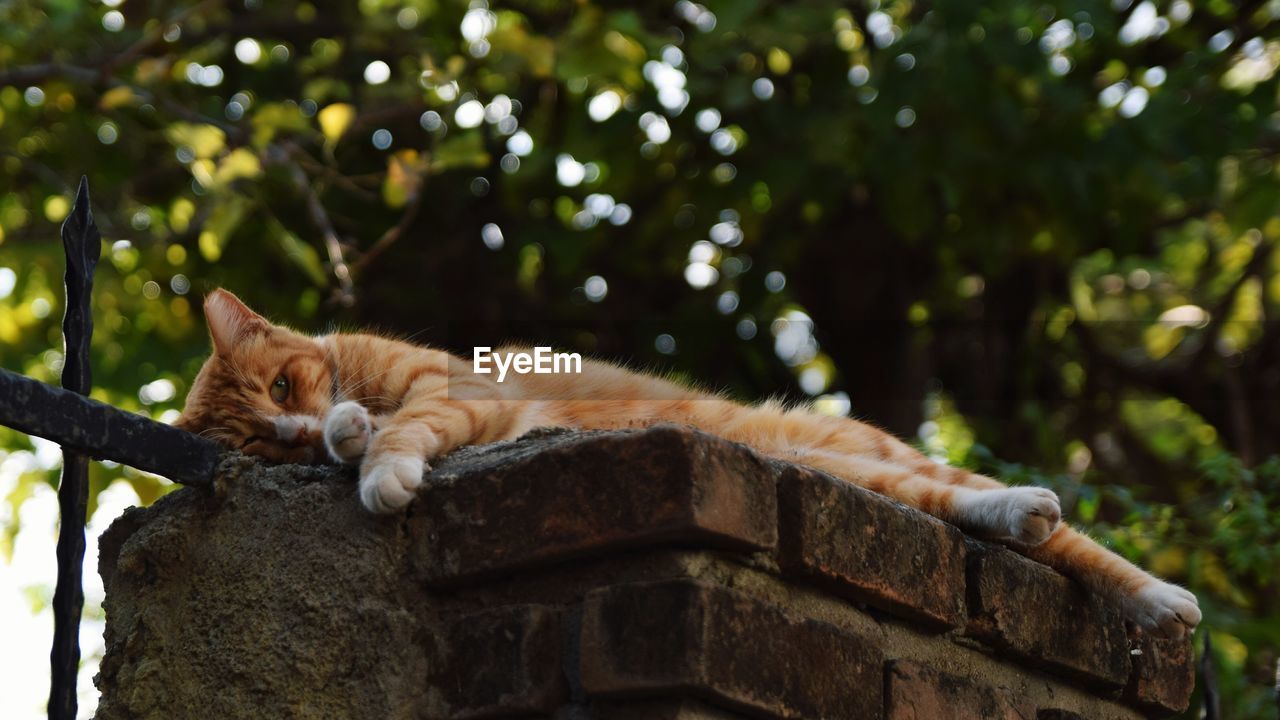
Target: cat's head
[264,390]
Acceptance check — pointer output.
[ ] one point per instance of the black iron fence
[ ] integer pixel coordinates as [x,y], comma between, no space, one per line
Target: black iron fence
[87,430]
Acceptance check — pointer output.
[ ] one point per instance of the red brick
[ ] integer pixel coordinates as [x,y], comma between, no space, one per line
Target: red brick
[691,638]
[1164,674]
[502,662]
[1028,611]
[868,548]
[916,692]
[563,497]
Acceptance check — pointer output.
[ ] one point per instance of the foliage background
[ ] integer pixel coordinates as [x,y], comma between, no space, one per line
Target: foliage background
[1039,238]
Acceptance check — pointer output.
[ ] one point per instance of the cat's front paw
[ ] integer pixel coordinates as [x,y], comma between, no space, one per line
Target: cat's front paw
[347,431]
[390,482]
[1164,610]
[1028,515]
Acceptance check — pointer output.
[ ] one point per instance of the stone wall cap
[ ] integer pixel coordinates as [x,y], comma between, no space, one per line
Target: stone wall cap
[490,517]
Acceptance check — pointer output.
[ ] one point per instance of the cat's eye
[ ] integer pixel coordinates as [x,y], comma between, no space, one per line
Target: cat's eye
[280,389]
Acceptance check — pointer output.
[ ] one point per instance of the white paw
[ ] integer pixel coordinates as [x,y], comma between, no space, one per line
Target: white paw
[1028,515]
[390,483]
[346,432]
[1164,610]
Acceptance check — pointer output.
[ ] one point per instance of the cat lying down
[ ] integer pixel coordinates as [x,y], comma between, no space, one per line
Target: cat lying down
[389,407]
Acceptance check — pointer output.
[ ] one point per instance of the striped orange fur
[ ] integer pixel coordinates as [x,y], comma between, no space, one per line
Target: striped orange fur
[390,406]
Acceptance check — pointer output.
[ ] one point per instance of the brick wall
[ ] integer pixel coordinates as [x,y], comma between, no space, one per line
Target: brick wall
[651,574]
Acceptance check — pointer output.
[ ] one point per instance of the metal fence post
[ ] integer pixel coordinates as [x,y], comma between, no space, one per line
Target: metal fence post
[87,429]
[1211,708]
[83,246]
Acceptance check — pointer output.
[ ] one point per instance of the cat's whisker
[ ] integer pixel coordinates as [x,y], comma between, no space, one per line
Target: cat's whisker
[358,375]
[364,399]
[209,432]
[347,387]
[373,358]
[347,391]
[219,435]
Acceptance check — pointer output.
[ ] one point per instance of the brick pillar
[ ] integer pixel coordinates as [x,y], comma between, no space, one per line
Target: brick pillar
[661,574]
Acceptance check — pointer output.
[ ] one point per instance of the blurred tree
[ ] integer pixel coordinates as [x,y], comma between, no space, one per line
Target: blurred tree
[1040,232]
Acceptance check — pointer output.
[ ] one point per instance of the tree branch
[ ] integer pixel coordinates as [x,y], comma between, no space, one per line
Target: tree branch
[155,33]
[42,72]
[393,234]
[280,155]
[349,183]
[102,73]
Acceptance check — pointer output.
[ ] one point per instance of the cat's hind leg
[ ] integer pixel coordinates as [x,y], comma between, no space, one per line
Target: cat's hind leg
[1027,515]
[1161,608]
[985,507]
[1030,516]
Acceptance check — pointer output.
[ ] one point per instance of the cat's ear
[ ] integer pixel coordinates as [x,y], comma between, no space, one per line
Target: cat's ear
[229,320]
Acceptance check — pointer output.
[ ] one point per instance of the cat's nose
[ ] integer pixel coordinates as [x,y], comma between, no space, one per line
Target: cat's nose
[291,431]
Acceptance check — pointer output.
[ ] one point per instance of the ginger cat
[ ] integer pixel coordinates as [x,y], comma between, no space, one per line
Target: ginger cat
[389,407]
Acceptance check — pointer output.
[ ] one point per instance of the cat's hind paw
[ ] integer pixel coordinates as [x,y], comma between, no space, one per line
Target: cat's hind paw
[1164,610]
[347,430]
[1028,515]
[391,482]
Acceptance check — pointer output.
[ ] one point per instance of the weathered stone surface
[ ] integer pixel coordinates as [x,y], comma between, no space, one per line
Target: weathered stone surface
[500,662]
[1164,674]
[1055,714]
[916,692]
[276,597]
[275,594]
[684,636]
[586,495]
[659,710]
[869,548]
[1025,610]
